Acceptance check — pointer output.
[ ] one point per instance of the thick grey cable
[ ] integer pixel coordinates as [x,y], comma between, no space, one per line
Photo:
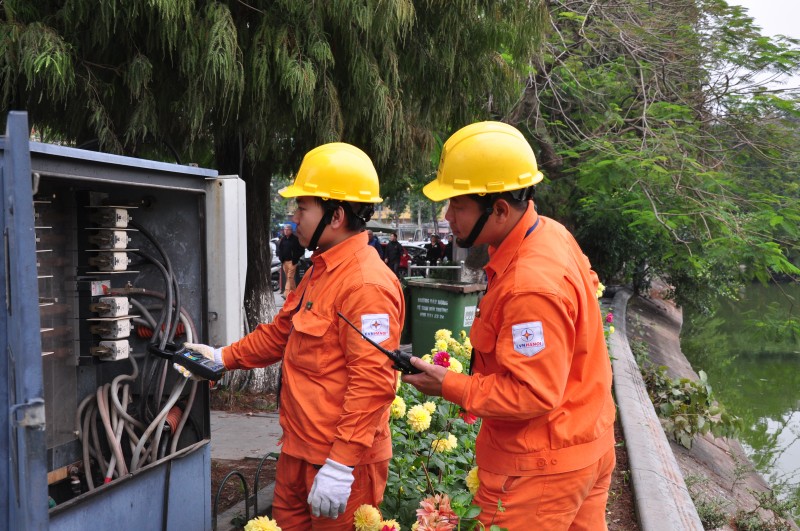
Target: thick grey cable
[157,294]
[149,372]
[102,405]
[83,434]
[114,393]
[189,401]
[167,315]
[157,438]
[184,417]
[176,392]
[171,273]
[98,450]
[117,424]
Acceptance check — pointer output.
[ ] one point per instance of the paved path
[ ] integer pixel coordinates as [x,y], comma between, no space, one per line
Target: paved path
[238,436]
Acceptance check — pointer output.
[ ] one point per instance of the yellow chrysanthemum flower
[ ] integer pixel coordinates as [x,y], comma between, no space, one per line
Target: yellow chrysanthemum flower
[398,408]
[391,524]
[467,344]
[441,345]
[443,334]
[367,518]
[462,334]
[453,344]
[430,407]
[611,329]
[472,481]
[600,289]
[262,523]
[456,366]
[414,526]
[427,358]
[441,446]
[418,418]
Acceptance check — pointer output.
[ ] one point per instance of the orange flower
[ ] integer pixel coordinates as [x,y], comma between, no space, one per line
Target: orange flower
[435,514]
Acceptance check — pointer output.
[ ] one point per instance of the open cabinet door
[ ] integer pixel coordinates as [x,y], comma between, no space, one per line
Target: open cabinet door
[23,473]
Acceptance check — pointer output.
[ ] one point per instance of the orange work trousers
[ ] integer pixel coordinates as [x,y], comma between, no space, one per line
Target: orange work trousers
[574,501]
[293,480]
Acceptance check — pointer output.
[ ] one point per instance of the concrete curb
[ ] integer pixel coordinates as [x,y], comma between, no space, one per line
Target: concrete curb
[265,497]
[660,494]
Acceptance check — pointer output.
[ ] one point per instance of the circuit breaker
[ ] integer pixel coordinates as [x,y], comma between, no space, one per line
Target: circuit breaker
[131,258]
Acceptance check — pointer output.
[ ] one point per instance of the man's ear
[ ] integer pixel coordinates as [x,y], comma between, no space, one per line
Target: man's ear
[339,218]
[501,210]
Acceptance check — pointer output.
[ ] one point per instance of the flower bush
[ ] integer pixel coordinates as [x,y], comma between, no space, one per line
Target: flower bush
[432,475]
[262,523]
[608,317]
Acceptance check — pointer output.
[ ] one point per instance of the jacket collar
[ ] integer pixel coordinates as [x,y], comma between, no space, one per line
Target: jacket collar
[340,252]
[500,257]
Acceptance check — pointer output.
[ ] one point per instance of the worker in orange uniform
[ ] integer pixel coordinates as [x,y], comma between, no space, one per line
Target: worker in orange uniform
[541,375]
[336,388]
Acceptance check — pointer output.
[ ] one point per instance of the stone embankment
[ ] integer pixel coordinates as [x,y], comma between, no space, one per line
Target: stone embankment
[719,468]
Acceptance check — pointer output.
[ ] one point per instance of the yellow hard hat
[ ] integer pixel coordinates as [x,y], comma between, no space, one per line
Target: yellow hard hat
[484,158]
[336,171]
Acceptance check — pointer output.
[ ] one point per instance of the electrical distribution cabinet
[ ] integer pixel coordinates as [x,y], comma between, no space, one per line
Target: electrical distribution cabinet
[110,264]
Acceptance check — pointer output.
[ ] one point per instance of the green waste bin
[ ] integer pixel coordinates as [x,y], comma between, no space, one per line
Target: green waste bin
[436,304]
[405,336]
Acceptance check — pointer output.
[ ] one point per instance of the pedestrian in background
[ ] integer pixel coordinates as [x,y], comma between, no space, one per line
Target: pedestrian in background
[394,251]
[289,253]
[375,243]
[336,388]
[448,248]
[541,375]
[434,250]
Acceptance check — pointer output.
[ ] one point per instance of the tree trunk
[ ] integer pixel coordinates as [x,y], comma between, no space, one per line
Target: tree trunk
[477,257]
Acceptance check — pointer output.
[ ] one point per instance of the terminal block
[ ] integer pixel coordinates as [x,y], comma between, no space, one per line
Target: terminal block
[110,239]
[112,328]
[110,261]
[112,217]
[111,306]
[112,350]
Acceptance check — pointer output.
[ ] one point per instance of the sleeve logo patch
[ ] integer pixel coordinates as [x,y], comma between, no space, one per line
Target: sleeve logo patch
[375,326]
[528,338]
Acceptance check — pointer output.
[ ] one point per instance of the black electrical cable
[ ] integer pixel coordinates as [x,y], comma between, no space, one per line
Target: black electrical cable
[166,314]
[146,233]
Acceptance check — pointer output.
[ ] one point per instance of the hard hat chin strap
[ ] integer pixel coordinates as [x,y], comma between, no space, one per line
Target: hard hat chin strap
[487,204]
[364,213]
[327,215]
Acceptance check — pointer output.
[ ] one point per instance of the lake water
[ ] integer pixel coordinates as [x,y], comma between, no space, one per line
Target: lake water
[753,366]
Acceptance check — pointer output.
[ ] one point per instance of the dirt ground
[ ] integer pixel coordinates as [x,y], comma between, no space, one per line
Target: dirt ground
[620,511]
[233,492]
[620,514]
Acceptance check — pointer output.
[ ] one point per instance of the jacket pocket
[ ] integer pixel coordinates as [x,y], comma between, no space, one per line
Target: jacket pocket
[483,339]
[314,344]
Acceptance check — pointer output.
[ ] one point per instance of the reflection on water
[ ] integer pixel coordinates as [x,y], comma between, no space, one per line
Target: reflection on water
[751,352]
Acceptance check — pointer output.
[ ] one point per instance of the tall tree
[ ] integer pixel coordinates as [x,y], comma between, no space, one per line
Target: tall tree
[666,150]
[249,86]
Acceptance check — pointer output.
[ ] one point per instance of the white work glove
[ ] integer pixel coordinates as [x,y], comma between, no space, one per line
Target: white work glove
[331,489]
[214,354]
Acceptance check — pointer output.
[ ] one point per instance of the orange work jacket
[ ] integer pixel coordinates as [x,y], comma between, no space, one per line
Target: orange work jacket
[336,388]
[541,377]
